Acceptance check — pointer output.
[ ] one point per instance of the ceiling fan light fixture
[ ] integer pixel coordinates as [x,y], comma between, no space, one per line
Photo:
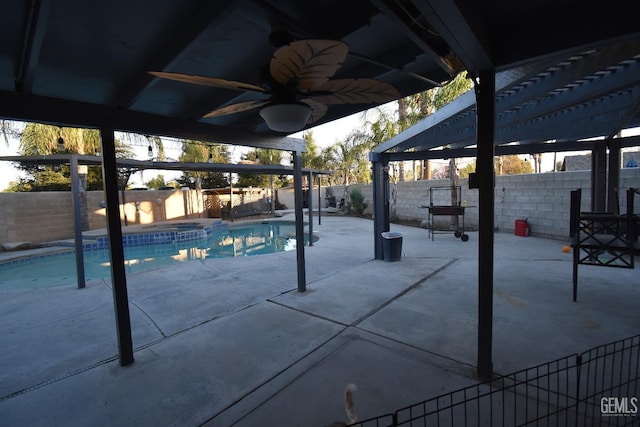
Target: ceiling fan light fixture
[286,117]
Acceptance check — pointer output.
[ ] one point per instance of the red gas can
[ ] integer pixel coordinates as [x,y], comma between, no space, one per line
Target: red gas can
[522,227]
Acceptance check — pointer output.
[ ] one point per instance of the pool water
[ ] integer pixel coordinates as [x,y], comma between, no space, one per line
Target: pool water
[239,240]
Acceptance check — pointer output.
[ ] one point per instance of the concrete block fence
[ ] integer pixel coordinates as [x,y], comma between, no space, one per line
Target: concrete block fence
[543,199]
[47,216]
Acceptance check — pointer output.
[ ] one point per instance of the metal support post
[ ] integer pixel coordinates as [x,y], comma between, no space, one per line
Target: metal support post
[298,202]
[230,197]
[116,251]
[77,220]
[599,177]
[319,199]
[310,206]
[380,201]
[613,181]
[485,107]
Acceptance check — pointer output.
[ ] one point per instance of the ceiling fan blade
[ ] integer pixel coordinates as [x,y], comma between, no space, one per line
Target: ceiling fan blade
[318,110]
[236,108]
[355,91]
[311,62]
[208,81]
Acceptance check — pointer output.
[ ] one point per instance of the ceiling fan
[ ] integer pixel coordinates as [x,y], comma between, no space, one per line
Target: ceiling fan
[299,85]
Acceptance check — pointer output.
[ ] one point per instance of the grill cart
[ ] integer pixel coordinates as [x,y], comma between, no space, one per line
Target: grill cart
[447,201]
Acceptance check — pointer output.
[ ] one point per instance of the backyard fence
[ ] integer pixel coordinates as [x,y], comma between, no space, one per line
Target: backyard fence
[595,388]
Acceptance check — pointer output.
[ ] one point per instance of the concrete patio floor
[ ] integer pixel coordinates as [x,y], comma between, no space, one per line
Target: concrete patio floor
[224,342]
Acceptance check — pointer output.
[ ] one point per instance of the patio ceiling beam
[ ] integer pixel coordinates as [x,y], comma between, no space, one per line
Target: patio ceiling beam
[611,111]
[34,32]
[55,111]
[568,27]
[419,35]
[545,118]
[455,118]
[504,150]
[588,90]
[338,31]
[462,32]
[57,159]
[359,15]
[437,128]
[172,46]
[549,80]
[575,123]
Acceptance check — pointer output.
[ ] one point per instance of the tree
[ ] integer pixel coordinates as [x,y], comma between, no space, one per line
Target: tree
[201,152]
[37,140]
[263,156]
[513,165]
[310,158]
[505,165]
[156,182]
[467,169]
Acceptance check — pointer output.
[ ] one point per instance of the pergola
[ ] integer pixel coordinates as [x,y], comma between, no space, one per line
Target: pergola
[572,101]
[86,64]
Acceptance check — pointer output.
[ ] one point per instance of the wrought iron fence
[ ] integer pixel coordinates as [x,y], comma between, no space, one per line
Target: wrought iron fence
[597,387]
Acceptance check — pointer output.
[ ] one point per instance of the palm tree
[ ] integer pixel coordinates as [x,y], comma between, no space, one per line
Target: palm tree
[41,139]
[351,164]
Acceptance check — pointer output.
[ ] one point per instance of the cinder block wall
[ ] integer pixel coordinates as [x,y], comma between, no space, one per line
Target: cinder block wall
[46,216]
[543,199]
[30,216]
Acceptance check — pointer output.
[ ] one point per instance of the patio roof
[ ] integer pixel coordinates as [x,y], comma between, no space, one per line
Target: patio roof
[73,63]
[549,105]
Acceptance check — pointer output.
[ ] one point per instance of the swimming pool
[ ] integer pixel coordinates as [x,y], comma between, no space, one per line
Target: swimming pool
[141,253]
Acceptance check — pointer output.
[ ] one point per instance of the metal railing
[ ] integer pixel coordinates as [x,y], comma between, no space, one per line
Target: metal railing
[594,388]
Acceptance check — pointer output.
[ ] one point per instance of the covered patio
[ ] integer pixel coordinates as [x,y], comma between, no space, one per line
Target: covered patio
[76,64]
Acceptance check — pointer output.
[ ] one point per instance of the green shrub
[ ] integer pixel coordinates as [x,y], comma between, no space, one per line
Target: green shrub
[357,201]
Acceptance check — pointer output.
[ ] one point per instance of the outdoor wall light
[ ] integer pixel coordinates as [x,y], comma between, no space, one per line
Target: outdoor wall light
[60,143]
[286,117]
[150,151]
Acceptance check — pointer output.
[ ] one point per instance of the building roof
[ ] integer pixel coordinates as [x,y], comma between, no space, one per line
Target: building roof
[582,162]
[578,162]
